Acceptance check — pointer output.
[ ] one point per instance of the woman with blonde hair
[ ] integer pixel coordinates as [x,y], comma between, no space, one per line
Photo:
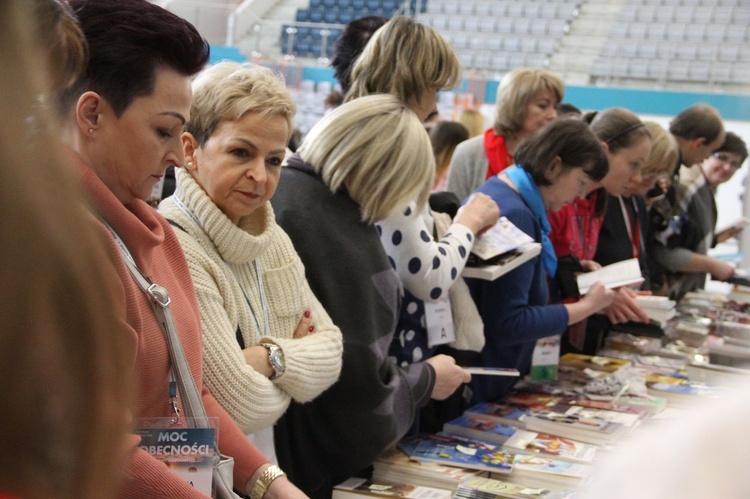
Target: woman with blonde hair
[473,120]
[527,99]
[266,338]
[411,61]
[661,161]
[66,385]
[364,161]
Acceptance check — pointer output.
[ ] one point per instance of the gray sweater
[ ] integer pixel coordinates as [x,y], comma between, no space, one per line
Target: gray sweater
[468,168]
[373,404]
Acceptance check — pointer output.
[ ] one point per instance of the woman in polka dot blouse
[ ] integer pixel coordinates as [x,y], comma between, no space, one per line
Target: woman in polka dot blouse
[412,62]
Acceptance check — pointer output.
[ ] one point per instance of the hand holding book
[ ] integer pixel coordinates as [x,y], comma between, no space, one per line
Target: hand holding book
[479,213]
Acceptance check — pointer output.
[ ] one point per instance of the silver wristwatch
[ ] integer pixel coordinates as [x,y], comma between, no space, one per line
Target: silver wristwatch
[275,358]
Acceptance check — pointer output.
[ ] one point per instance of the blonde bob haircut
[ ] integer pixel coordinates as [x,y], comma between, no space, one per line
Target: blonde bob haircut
[228,90]
[406,59]
[664,151]
[516,90]
[376,148]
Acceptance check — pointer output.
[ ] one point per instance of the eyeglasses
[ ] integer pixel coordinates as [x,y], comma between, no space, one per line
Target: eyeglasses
[726,160]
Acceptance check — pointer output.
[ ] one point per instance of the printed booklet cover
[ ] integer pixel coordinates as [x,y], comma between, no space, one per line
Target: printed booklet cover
[463,452]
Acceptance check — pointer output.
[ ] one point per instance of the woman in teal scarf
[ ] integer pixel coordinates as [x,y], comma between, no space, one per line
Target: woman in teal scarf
[553,167]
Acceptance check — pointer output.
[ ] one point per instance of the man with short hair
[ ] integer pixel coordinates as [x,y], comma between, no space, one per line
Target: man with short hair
[682,249]
[698,131]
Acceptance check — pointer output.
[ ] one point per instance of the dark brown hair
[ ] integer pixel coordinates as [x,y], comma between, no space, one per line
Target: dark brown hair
[697,121]
[572,141]
[350,45]
[128,40]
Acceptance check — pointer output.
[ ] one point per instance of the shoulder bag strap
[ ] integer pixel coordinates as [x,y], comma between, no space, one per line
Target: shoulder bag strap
[159,300]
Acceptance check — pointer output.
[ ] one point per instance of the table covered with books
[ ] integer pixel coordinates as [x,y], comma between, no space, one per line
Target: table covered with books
[545,439]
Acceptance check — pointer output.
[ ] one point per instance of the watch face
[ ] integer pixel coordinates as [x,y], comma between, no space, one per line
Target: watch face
[276,359]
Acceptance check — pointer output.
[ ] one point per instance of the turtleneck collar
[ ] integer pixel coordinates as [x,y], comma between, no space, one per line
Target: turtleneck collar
[236,244]
[138,224]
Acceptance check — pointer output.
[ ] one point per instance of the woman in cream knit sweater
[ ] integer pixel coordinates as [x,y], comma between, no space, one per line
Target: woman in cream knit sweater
[267,339]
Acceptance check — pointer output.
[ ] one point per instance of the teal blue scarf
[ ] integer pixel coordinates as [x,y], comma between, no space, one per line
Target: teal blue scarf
[533,198]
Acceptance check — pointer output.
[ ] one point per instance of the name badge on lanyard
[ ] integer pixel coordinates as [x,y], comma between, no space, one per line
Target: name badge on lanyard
[439,322]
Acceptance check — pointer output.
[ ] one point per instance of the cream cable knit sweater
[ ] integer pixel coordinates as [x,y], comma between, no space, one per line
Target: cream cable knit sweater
[313,363]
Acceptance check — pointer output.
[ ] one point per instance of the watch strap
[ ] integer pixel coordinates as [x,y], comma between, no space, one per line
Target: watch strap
[264,481]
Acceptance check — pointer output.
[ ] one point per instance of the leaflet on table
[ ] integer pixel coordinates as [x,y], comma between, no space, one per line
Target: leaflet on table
[189,453]
[492,371]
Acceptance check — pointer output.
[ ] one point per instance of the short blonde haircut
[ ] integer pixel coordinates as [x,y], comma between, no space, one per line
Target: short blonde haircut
[664,151]
[406,59]
[473,120]
[377,148]
[228,90]
[516,90]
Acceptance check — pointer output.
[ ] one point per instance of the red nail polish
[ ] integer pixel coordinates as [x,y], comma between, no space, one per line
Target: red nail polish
[307,313]
[311,328]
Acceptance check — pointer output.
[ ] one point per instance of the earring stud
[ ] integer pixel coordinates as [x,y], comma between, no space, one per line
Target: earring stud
[91,130]
[190,164]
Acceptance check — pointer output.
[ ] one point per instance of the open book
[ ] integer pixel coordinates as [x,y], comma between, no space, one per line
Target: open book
[499,239]
[507,262]
[738,223]
[624,273]
[499,250]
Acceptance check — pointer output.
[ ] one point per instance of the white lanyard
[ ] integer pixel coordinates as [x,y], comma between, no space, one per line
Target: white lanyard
[261,288]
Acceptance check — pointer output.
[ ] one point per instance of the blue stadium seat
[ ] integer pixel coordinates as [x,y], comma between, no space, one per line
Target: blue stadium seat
[346,16]
[302,15]
[390,5]
[302,47]
[316,16]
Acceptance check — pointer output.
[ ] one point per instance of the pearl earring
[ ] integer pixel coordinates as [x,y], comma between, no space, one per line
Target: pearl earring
[91,130]
[190,164]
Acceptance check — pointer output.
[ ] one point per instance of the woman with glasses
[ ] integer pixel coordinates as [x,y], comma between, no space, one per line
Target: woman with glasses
[575,228]
[683,251]
[624,230]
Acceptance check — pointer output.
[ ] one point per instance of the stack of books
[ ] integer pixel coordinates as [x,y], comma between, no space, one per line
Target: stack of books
[358,488]
[576,426]
[453,450]
[501,413]
[533,470]
[491,488]
[659,308]
[597,363]
[396,466]
[479,429]
[552,446]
